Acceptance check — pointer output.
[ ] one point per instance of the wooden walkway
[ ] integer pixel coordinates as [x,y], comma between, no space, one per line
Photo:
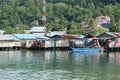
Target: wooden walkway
[115,49]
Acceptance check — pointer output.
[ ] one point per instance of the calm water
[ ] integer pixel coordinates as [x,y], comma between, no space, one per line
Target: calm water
[58,65]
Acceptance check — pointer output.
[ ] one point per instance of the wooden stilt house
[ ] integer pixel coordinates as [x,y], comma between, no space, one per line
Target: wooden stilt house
[67,40]
[28,40]
[109,39]
[9,41]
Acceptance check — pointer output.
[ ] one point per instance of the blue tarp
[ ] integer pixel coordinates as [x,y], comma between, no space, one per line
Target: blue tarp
[81,36]
[25,36]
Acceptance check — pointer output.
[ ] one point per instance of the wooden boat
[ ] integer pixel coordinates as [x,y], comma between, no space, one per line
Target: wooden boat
[92,49]
[86,53]
[93,46]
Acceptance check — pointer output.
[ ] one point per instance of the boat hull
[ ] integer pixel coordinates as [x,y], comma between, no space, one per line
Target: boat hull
[97,49]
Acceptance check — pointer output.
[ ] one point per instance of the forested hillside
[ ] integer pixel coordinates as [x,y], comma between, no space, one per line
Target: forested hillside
[61,14]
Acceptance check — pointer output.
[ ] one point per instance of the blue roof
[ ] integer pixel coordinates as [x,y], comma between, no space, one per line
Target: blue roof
[81,36]
[26,36]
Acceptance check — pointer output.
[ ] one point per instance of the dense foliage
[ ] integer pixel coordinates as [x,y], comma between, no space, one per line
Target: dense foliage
[20,14]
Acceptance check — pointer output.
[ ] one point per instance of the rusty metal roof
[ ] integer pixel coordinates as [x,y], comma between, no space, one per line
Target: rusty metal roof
[70,37]
[116,34]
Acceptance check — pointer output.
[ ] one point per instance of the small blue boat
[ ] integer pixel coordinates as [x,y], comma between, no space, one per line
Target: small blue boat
[93,49]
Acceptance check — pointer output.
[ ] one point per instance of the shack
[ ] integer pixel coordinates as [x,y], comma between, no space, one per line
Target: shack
[67,40]
[109,39]
[28,40]
[8,41]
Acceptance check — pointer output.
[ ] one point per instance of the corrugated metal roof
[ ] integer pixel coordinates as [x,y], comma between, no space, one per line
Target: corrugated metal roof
[40,35]
[55,33]
[66,36]
[38,29]
[2,31]
[116,34]
[7,37]
[109,35]
[26,36]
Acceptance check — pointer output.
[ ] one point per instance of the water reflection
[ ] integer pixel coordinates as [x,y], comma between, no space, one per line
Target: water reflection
[85,57]
[54,65]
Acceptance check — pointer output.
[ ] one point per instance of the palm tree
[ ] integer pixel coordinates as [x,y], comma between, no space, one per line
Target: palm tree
[91,25]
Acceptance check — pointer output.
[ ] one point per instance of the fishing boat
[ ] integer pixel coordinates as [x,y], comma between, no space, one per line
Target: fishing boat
[93,49]
[85,53]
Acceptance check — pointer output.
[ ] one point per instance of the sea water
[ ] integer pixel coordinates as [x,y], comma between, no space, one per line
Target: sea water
[58,65]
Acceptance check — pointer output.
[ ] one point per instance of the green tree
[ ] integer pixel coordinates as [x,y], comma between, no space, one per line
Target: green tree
[115,28]
[24,12]
[100,30]
[75,28]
